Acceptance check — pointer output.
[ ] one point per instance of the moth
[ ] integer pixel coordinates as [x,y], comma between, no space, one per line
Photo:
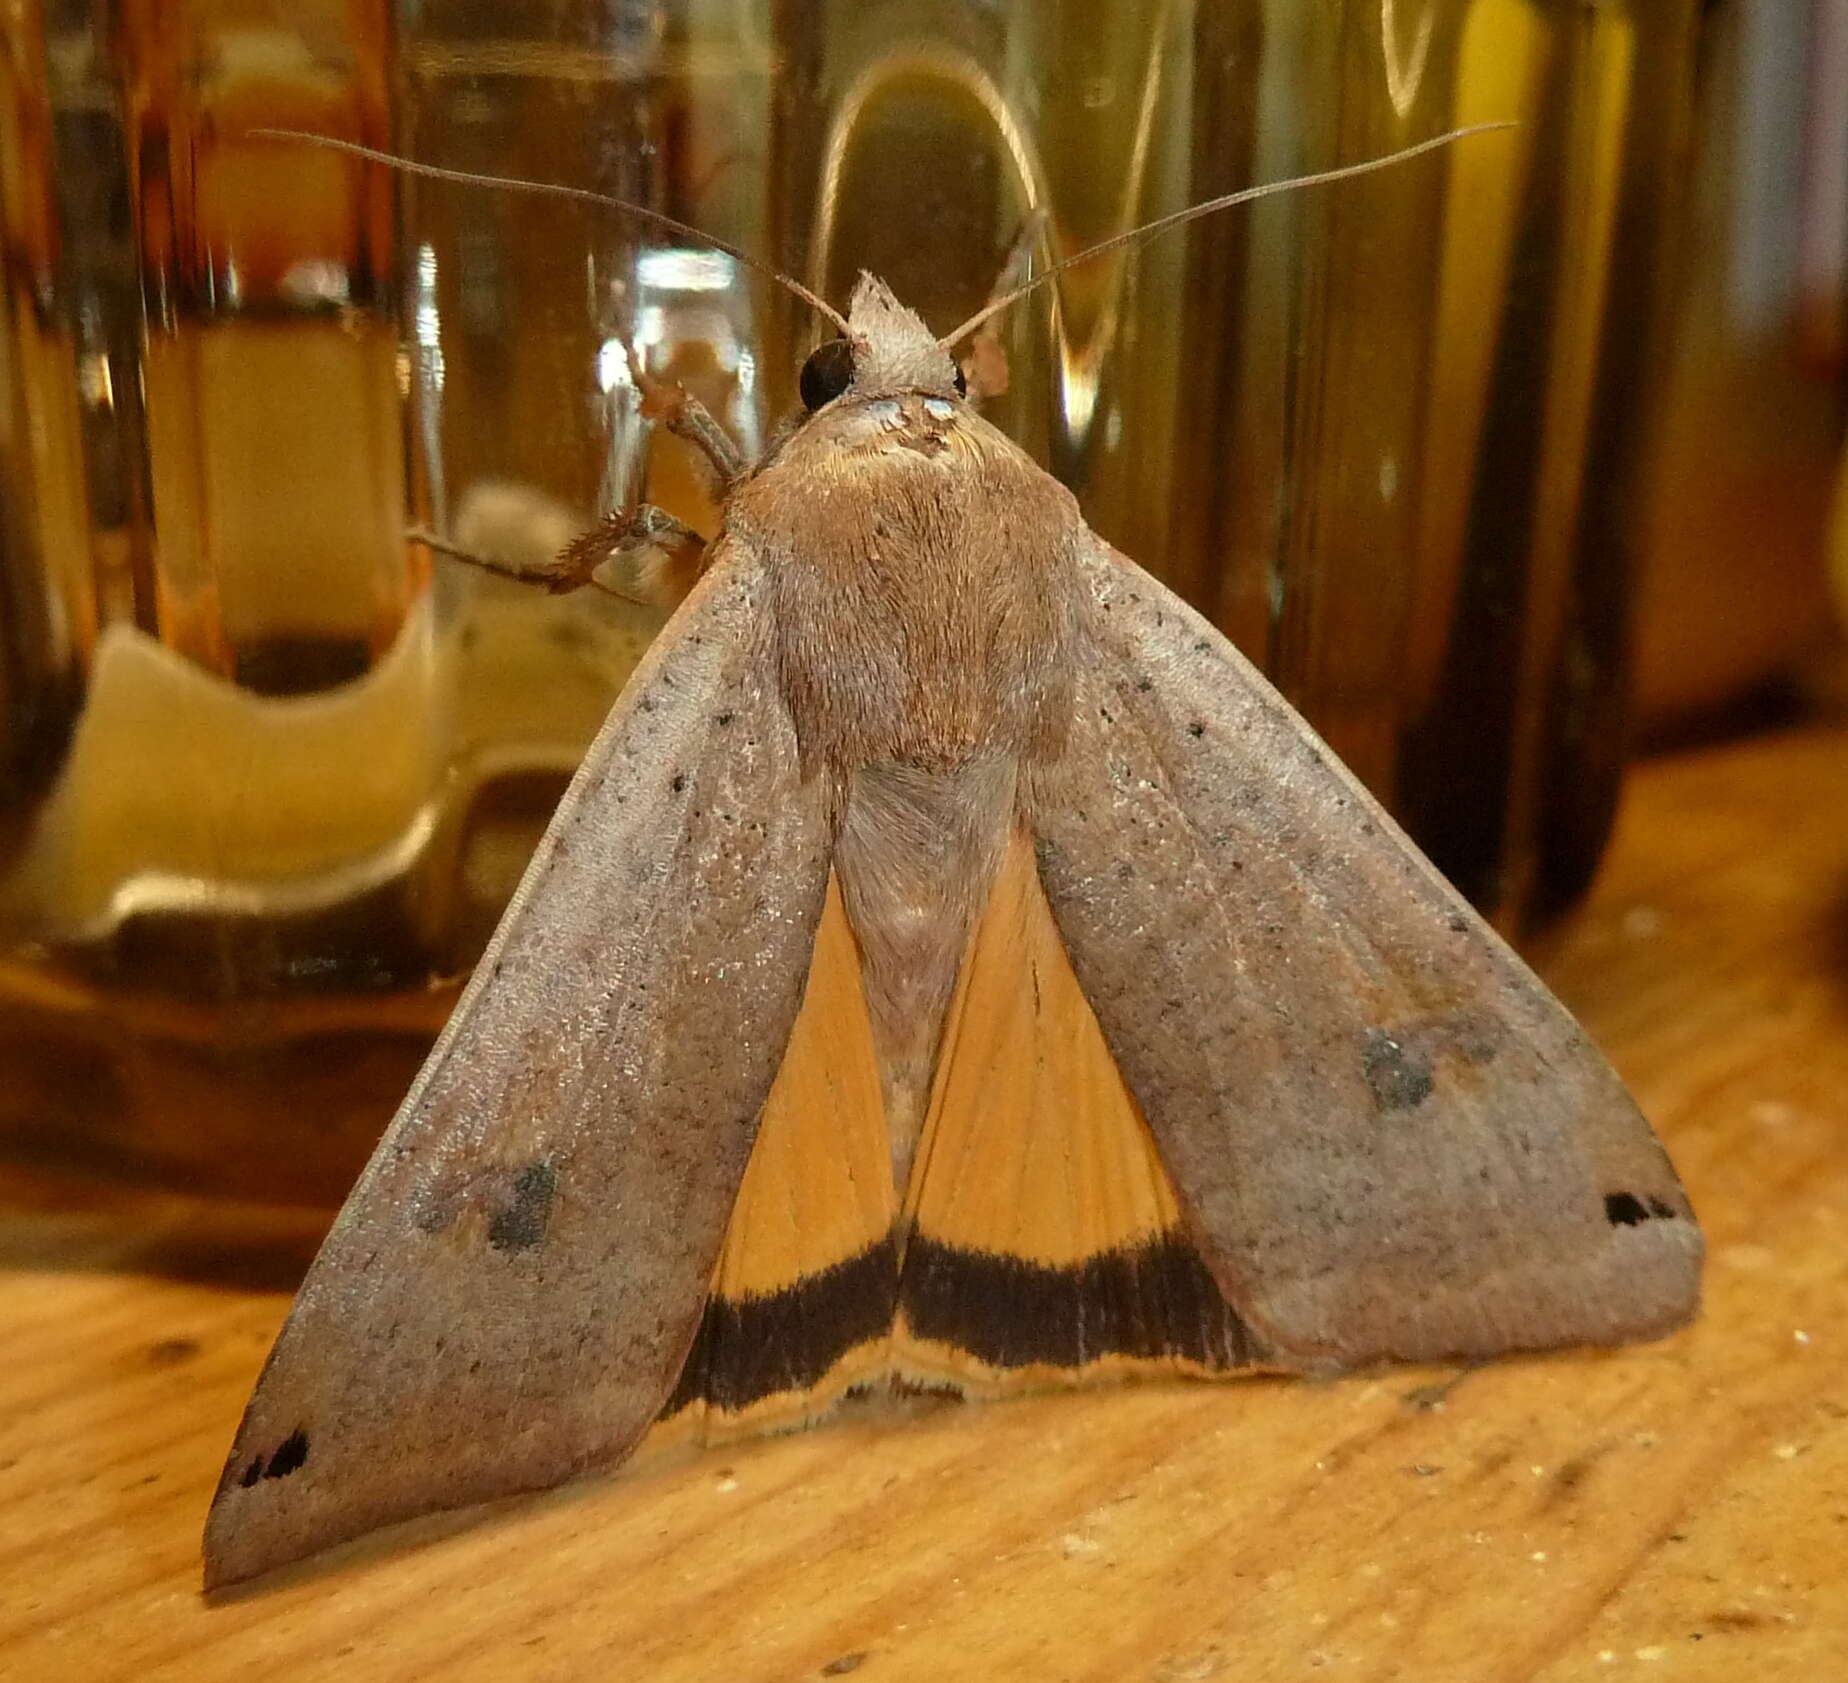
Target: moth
[953,965]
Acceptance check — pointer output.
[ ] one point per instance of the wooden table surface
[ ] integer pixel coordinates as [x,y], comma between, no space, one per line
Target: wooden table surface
[1674,1511]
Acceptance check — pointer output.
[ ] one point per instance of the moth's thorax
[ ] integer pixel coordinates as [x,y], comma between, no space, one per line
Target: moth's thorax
[926,593]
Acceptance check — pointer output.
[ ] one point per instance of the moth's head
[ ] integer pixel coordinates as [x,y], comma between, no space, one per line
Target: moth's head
[886,349]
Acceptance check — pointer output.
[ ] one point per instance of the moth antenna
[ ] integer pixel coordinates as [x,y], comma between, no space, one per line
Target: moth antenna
[1148,230]
[558,190]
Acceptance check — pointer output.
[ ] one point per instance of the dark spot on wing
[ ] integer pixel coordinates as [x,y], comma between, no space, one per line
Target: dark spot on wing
[522,1224]
[1625,1209]
[290,1456]
[1398,1076]
[845,1664]
[169,1351]
[1400,1063]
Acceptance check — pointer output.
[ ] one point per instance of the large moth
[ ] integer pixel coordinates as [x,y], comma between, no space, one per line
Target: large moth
[953,964]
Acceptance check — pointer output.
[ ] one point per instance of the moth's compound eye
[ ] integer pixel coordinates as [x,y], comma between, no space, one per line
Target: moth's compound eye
[826,374]
[962,384]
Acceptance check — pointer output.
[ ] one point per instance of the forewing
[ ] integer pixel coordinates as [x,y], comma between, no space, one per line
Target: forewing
[1390,1140]
[510,1291]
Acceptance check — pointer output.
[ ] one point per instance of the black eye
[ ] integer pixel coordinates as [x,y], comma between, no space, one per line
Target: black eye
[826,374]
[962,385]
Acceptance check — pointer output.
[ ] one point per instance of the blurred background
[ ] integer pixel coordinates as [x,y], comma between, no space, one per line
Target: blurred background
[1506,464]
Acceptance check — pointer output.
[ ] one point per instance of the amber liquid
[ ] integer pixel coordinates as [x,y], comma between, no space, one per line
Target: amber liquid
[270,772]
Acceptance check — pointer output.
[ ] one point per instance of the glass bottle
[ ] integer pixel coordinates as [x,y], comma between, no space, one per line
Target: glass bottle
[268,769]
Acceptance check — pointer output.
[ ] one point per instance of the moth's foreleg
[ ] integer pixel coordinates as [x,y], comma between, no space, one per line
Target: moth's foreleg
[641,554]
[686,417]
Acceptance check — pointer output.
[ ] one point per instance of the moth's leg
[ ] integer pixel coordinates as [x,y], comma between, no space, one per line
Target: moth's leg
[984,366]
[646,556]
[683,414]
[642,555]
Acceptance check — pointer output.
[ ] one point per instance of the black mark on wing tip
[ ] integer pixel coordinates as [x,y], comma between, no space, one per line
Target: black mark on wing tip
[522,1224]
[1625,1209]
[291,1455]
[1398,1077]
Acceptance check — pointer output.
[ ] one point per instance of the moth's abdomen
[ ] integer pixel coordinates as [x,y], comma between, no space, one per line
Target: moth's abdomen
[1032,1238]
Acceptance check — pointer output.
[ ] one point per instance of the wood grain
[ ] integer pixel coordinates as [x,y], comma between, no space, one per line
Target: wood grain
[1678,1511]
